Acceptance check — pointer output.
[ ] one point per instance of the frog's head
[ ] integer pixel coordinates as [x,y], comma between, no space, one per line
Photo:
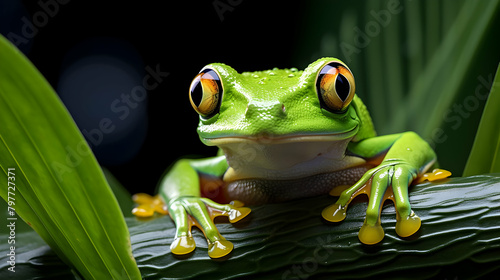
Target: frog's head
[275,106]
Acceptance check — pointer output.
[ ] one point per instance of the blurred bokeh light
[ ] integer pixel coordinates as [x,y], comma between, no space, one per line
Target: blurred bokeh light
[101,85]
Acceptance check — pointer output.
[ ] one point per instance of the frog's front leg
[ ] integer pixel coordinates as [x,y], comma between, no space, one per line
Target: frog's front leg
[408,156]
[180,189]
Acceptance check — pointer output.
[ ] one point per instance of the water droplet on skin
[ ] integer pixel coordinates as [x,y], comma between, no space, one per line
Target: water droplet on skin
[272,73]
[275,68]
[291,76]
[255,76]
[294,69]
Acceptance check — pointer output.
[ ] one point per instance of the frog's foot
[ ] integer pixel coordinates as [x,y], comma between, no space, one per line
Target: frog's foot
[201,212]
[375,183]
[148,205]
[371,232]
[436,174]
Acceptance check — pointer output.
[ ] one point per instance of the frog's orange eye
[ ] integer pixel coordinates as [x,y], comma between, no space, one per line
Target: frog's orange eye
[205,93]
[335,87]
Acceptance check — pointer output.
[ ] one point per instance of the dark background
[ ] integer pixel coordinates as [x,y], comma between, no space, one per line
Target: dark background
[180,37]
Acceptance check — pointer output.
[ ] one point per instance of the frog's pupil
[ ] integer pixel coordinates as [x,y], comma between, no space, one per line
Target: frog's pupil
[197,93]
[342,87]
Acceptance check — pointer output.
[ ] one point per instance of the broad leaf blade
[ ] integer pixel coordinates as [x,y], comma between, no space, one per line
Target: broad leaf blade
[485,153]
[123,197]
[60,189]
[445,69]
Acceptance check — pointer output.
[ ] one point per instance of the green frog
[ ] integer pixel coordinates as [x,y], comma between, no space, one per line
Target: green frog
[286,134]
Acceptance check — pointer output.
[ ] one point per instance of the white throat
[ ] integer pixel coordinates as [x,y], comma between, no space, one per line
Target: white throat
[290,158]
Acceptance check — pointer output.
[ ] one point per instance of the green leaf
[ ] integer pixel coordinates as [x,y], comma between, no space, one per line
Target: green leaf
[423,71]
[60,189]
[485,154]
[462,41]
[123,197]
[458,237]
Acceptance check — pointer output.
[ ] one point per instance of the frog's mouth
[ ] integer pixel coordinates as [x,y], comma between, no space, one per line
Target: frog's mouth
[265,138]
[285,157]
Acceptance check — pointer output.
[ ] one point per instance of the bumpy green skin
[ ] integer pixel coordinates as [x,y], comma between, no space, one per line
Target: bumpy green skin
[284,103]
